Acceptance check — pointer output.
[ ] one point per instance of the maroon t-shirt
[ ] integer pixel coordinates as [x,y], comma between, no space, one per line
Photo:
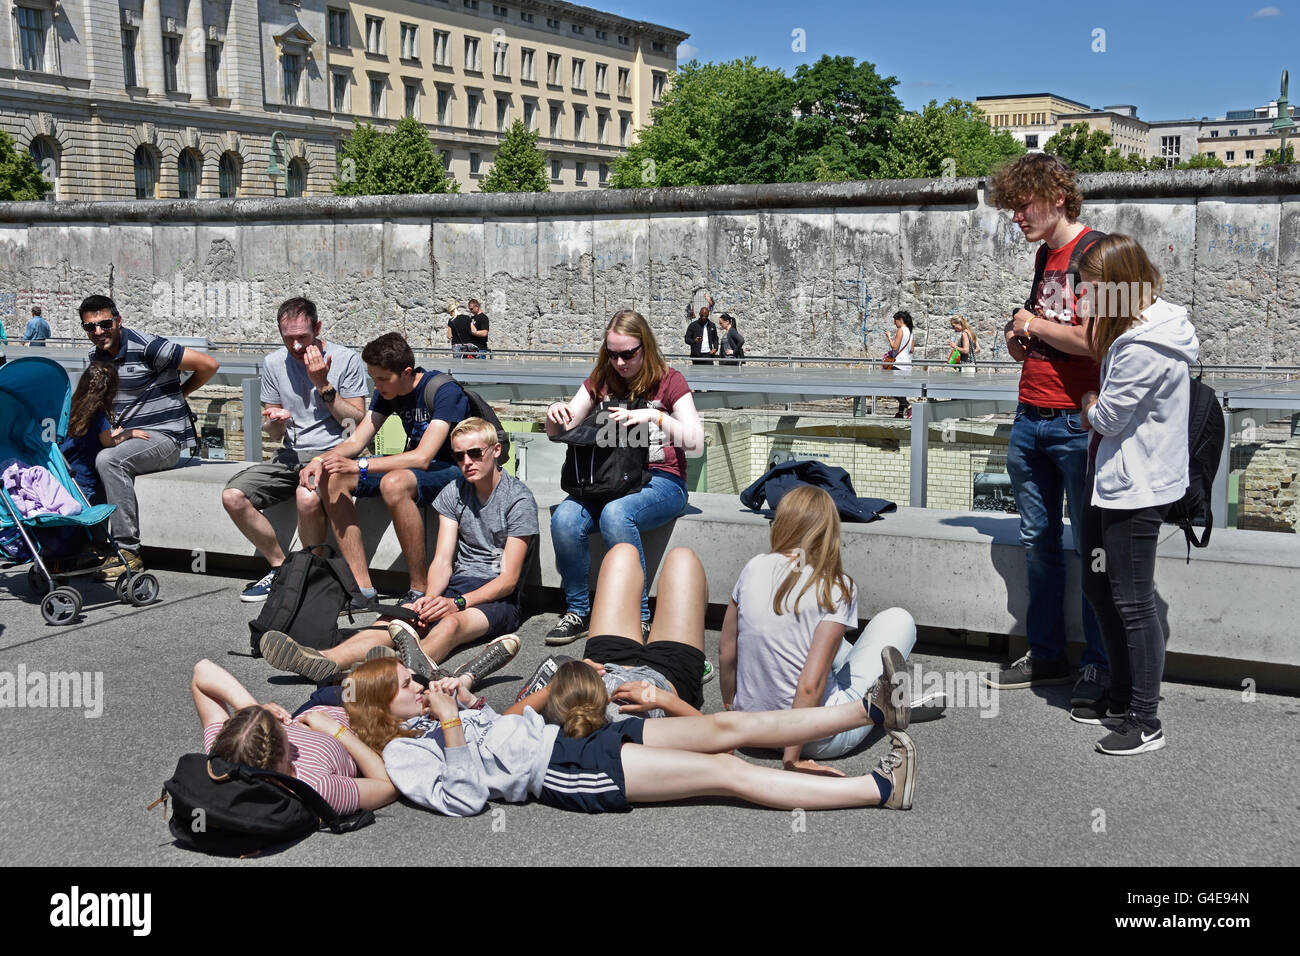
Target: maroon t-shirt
[670,459]
[1051,378]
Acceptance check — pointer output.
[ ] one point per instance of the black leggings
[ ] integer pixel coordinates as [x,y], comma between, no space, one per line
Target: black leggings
[1119,564]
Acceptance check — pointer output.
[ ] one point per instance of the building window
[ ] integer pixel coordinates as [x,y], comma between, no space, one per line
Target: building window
[214,70]
[1250,154]
[475,164]
[578,28]
[292,64]
[525,17]
[31,38]
[1211,154]
[579,78]
[474,102]
[471,4]
[553,23]
[1230,155]
[46,157]
[1171,149]
[146,173]
[503,113]
[1232,132]
[1214,134]
[446,161]
[553,69]
[1254,131]
[340,82]
[602,125]
[128,56]
[624,129]
[444,107]
[555,170]
[580,174]
[530,115]
[188,170]
[499,11]
[410,41]
[441,48]
[601,70]
[411,98]
[579,122]
[1031,141]
[374,35]
[376,96]
[602,35]
[297,184]
[228,173]
[171,57]
[624,41]
[557,120]
[338,28]
[528,65]
[472,63]
[500,58]
[624,81]
[657,80]
[604,173]
[659,47]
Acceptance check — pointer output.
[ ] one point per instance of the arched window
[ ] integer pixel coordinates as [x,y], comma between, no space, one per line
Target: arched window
[146,173]
[228,175]
[189,169]
[297,177]
[45,154]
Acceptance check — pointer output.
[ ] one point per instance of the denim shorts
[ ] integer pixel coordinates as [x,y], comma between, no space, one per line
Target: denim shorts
[428,482]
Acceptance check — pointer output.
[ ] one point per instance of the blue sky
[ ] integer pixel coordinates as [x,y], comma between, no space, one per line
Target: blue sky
[1172,60]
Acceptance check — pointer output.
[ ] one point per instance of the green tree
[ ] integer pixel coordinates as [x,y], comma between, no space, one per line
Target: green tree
[845,113]
[386,164]
[956,131]
[1083,149]
[20,178]
[1271,157]
[718,123]
[519,167]
[1202,161]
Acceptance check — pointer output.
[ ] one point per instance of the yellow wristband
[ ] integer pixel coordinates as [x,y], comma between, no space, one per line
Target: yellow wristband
[318,458]
[338,734]
[448,724]
[1027,321]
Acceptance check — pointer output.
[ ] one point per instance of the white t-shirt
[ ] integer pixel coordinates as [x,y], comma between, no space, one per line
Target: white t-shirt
[773,648]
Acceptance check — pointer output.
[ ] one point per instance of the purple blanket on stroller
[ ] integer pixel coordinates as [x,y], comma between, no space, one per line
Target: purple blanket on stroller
[35,491]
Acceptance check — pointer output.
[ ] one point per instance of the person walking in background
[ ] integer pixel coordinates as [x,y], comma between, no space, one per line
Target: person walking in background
[732,346]
[964,344]
[1145,346]
[38,330]
[900,354]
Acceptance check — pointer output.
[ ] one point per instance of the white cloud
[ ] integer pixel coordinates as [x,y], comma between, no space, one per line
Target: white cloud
[1266,12]
[686,51]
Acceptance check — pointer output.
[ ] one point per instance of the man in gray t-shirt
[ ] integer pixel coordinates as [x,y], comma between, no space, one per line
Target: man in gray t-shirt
[313,394]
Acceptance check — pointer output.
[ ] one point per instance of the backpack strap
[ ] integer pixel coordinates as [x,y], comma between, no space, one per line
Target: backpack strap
[431,388]
[328,816]
[1040,264]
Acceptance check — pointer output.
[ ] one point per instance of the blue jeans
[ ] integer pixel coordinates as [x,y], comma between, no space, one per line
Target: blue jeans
[622,520]
[1048,458]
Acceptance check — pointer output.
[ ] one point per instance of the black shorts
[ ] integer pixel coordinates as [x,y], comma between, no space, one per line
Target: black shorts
[586,773]
[682,664]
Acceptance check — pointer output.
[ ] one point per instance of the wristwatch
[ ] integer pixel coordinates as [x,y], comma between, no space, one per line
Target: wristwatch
[459,601]
[329,394]
[363,464]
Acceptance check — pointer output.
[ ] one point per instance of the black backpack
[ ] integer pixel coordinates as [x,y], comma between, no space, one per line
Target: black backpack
[230,809]
[1205,437]
[477,407]
[597,470]
[1084,243]
[307,597]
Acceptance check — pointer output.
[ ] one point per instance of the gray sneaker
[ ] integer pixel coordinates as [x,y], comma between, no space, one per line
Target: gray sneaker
[571,627]
[1090,686]
[891,693]
[407,643]
[379,652]
[495,656]
[542,676]
[284,653]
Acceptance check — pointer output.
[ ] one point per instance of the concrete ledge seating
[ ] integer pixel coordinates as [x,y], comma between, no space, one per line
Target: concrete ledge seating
[950,569]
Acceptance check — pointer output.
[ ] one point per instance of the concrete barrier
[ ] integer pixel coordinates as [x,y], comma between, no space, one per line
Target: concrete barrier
[950,569]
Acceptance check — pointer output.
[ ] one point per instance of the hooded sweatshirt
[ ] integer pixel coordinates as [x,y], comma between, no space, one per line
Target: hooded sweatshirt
[504,758]
[1141,411]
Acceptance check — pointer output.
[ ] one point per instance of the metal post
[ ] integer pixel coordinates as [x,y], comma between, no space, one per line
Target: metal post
[252,389]
[918,484]
[1219,493]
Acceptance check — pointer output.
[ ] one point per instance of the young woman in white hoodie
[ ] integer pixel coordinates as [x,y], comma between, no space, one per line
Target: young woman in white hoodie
[1139,459]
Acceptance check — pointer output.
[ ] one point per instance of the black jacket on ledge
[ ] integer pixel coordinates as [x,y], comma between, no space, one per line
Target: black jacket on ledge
[776,481]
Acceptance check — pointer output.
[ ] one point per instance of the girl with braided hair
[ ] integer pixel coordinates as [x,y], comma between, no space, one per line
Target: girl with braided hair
[318,747]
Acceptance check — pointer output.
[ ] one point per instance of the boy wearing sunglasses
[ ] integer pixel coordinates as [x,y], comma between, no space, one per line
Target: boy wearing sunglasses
[486,522]
[151,400]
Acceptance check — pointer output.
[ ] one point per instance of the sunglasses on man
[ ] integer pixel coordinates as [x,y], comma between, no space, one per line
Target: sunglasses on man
[103,325]
[475,454]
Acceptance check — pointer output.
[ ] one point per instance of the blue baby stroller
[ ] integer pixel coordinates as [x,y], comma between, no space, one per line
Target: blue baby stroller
[35,402]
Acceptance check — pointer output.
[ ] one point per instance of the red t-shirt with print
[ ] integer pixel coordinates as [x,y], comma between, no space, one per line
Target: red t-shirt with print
[670,459]
[1051,378]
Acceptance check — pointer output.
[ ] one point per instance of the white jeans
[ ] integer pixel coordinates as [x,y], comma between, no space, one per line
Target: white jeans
[856,667]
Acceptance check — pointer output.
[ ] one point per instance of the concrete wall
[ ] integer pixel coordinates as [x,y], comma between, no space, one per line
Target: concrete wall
[808,269]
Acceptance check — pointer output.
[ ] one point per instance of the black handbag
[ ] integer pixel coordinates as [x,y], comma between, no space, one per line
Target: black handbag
[605,460]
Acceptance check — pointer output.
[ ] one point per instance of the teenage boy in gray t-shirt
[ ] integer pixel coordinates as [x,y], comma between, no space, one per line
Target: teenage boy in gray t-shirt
[313,395]
[486,522]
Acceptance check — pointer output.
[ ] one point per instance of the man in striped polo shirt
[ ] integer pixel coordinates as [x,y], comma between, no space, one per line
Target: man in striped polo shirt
[150,397]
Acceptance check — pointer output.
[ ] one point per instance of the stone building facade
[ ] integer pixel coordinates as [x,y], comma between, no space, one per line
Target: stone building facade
[182,98]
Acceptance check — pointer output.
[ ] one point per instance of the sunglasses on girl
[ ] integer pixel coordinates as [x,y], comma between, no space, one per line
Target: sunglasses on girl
[625,356]
[475,454]
[103,325]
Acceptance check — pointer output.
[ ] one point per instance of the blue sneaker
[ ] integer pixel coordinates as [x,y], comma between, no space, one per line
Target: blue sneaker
[258,590]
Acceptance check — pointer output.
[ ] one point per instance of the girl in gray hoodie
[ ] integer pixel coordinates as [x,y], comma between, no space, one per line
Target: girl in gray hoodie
[1139,459]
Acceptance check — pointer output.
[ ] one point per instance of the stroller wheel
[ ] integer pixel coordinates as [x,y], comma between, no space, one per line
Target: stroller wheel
[61,606]
[36,582]
[123,587]
[142,589]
